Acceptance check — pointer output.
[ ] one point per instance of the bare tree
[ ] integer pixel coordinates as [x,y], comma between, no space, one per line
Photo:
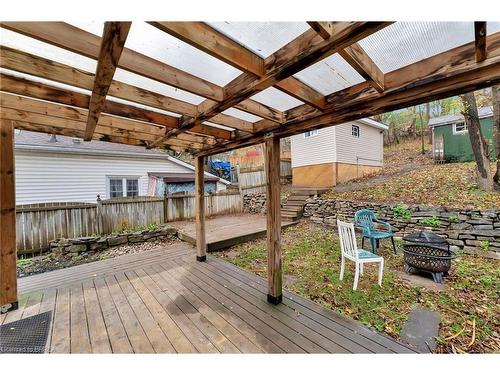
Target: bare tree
[495,91]
[479,145]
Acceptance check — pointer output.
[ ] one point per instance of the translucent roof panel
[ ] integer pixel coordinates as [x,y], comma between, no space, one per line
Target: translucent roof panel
[155,86]
[163,47]
[263,38]
[241,115]
[330,75]
[404,43]
[23,43]
[276,99]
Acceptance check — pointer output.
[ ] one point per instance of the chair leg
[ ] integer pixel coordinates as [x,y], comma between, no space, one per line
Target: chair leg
[393,245]
[342,265]
[361,269]
[380,272]
[356,277]
[373,243]
[363,242]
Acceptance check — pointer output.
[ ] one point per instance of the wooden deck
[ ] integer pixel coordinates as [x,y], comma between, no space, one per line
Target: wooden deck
[226,230]
[163,301]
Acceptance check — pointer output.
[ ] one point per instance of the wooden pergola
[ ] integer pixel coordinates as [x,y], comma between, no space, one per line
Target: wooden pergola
[45,95]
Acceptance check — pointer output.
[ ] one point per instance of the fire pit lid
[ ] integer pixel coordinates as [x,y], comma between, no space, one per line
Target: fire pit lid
[425,238]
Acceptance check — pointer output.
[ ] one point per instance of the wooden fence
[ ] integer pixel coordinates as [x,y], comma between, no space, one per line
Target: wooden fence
[253,180]
[38,224]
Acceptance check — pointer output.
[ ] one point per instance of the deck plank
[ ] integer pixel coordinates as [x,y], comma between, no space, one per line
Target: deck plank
[266,345]
[118,339]
[137,336]
[60,342]
[99,339]
[80,340]
[239,340]
[173,332]
[197,338]
[156,336]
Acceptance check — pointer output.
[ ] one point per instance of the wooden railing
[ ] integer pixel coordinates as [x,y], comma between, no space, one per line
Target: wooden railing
[38,224]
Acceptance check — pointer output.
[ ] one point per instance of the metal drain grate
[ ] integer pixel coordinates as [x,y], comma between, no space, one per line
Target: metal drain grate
[26,335]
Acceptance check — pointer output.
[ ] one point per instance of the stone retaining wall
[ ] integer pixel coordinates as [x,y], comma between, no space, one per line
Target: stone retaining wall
[469,230]
[64,246]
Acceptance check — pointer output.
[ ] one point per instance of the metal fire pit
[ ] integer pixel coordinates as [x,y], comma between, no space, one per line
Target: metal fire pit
[427,252]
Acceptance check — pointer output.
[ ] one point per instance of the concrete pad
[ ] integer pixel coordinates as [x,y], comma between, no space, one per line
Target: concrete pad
[422,281]
[421,329]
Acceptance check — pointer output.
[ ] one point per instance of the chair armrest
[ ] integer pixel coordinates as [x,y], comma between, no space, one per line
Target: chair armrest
[387,225]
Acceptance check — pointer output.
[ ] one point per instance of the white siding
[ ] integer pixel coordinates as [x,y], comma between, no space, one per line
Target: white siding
[318,149]
[368,147]
[45,177]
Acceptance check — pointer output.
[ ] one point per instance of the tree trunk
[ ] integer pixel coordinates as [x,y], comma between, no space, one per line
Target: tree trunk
[479,145]
[495,93]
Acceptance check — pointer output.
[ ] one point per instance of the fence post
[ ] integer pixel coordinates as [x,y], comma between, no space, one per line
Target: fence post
[100,224]
[165,205]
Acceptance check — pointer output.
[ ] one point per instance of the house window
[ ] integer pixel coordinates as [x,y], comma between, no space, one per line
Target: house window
[311,133]
[355,131]
[460,128]
[123,187]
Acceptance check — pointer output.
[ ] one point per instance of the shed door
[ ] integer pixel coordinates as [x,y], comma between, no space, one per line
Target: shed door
[438,147]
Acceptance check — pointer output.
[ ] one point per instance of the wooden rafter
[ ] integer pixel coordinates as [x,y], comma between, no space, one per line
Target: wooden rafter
[211,41]
[443,75]
[355,56]
[480,40]
[112,43]
[282,64]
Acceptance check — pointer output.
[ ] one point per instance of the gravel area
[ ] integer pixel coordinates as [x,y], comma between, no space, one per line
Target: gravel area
[50,262]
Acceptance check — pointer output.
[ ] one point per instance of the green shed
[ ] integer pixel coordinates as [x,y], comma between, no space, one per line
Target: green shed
[450,140]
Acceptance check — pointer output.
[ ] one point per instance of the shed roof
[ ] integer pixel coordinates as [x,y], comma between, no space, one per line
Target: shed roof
[483,112]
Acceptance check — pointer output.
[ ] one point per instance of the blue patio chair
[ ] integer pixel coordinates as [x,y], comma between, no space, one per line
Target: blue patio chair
[366,220]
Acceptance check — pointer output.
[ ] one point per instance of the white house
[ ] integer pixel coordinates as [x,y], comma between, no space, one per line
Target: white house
[65,169]
[325,157]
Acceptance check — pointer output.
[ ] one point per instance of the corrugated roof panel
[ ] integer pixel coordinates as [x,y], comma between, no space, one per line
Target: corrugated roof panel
[329,75]
[263,38]
[163,47]
[276,99]
[404,43]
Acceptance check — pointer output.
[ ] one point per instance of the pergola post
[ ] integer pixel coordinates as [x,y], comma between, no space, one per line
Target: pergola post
[8,256]
[199,187]
[274,277]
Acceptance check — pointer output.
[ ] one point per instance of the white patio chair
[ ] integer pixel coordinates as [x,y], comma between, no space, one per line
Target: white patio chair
[351,251]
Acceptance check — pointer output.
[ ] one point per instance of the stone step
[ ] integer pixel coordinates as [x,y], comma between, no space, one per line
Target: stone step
[290,212]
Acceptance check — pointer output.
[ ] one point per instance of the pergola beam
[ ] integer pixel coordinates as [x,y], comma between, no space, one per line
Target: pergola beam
[112,43]
[480,40]
[355,56]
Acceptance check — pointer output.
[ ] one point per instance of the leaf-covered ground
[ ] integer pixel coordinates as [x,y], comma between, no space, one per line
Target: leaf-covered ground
[469,306]
[412,178]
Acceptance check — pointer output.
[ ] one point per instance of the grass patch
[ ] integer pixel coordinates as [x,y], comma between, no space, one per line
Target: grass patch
[311,254]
